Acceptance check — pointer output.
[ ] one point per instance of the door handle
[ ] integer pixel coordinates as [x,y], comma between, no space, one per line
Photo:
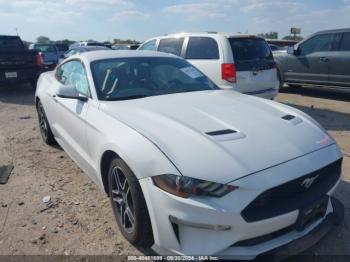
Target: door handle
[324,59]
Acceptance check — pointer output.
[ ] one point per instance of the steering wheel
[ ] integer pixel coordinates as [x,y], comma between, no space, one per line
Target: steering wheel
[174,84]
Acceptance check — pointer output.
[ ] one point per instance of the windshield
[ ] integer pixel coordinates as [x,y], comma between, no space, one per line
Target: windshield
[11,44]
[245,49]
[45,48]
[132,78]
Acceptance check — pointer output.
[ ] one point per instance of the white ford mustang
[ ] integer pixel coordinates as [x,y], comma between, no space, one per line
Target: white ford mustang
[191,169]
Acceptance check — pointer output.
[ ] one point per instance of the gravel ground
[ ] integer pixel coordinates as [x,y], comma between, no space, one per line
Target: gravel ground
[81,222]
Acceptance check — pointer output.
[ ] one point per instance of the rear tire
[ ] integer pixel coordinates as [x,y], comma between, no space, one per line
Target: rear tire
[128,204]
[44,126]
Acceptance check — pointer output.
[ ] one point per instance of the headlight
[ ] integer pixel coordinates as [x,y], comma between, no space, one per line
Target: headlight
[183,186]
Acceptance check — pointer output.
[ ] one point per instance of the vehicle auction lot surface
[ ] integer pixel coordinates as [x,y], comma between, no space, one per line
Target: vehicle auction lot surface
[82,222]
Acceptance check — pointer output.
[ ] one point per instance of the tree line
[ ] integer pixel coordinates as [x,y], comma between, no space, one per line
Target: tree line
[47,40]
[274,35]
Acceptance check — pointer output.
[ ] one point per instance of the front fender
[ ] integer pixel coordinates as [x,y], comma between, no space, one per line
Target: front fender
[143,157]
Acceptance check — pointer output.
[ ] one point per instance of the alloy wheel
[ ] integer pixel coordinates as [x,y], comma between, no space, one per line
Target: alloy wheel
[122,199]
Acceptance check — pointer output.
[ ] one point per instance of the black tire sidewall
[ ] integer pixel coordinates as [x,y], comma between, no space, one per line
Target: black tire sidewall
[136,236]
[49,136]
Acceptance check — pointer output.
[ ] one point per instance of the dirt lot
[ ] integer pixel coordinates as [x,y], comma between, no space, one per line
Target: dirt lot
[81,222]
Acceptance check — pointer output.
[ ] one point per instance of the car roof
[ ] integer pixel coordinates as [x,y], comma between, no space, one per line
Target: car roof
[110,54]
[340,30]
[9,36]
[225,34]
[88,48]
[43,44]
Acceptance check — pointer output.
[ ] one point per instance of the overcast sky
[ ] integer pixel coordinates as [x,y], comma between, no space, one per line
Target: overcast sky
[136,19]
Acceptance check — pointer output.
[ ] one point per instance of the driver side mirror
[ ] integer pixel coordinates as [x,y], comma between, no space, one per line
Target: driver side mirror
[69,91]
[293,50]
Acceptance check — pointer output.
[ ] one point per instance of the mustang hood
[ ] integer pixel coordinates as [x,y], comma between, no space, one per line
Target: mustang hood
[221,135]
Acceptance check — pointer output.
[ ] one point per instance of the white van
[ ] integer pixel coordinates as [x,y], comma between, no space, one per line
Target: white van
[242,62]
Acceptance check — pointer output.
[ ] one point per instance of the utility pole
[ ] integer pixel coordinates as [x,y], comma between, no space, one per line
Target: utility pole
[16,31]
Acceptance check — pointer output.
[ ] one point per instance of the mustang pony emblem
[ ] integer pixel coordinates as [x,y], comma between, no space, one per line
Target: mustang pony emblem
[309,181]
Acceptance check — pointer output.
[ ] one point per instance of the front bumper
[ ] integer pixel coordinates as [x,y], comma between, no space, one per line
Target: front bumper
[303,243]
[212,226]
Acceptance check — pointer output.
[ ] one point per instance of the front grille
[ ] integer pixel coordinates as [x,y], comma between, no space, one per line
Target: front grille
[294,194]
[262,239]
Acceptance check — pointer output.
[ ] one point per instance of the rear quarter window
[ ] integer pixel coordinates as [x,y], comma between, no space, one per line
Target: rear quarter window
[202,48]
[171,45]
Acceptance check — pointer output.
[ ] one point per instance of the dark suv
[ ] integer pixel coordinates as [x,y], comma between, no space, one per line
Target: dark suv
[321,59]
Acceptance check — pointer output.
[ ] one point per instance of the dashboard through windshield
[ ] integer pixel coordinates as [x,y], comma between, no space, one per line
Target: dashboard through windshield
[132,78]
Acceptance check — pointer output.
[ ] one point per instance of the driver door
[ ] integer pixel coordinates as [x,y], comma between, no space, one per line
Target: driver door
[311,63]
[69,121]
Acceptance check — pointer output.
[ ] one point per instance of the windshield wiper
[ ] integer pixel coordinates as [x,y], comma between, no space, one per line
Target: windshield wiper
[125,97]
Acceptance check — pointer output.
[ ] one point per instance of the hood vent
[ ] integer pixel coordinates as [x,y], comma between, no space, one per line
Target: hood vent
[225,135]
[294,120]
[221,132]
[288,117]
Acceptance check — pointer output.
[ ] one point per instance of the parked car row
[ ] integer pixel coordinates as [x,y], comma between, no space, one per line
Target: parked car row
[88,43]
[245,63]
[50,53]
[79,50]
[125,46]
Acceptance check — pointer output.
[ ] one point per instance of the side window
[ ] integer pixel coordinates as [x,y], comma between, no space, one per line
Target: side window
[73,73]
[202,48]
[63,72]
[150,45]
[171,45]
[345,42]
[318,43]
[79,78]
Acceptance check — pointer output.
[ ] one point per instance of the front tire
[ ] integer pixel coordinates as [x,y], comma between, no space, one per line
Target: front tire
[129,206]
[44,126]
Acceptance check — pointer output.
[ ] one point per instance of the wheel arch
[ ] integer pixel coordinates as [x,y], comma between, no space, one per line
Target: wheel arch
[106,159]
[37,99]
